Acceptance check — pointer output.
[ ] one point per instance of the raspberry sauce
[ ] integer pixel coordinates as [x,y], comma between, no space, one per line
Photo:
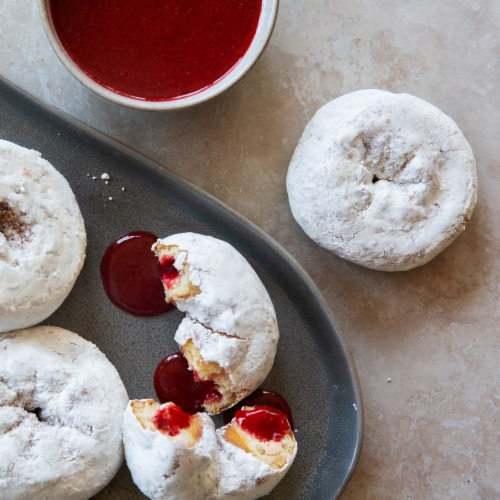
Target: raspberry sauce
[171,420]
[262,397]
[263,422]
[131,275]
[155,50]
[175,382]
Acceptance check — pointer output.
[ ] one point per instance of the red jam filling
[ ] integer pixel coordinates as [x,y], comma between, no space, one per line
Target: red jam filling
[169,274]
[156,50]
[175,382]
[263,422]
[262,397]
[131,275]
[171,420]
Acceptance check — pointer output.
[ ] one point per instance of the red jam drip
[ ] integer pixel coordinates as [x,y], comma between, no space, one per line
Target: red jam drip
[262,397]
[131,275]
[175,382]
[171,420]
[155,50]
[169,274]
[263,422]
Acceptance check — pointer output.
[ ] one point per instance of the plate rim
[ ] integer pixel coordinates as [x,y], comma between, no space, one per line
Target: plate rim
[233,222]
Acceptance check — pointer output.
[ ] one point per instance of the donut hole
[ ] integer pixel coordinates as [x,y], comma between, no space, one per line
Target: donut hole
[378,155]
[12,225]
[375,151]
[38,412]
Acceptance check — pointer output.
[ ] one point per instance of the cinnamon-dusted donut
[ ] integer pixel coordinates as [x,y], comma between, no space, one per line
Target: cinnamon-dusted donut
[61,409]
[42,238]
[384,180]
[230,334]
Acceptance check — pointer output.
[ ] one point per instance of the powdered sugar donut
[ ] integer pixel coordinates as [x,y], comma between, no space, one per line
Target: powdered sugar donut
[61,409]
[171,454]
[251,465]
[230,332]
[384,180]
[42,238]
[174,455]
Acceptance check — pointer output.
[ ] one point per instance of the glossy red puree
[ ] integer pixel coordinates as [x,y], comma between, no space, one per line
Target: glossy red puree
[171,420]
[155,50]
[175,382]
[262,397]
[263,422]
[131,275]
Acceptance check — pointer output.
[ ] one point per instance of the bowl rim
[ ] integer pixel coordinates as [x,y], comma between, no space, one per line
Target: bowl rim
[265,27]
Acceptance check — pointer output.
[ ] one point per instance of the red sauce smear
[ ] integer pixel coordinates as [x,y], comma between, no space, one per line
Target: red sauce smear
[156,50]
[175,382]
[171,420]
[131,275]
[263,422]
[262,397]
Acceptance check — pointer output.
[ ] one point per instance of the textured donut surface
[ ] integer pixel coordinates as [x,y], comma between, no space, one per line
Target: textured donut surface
[184,466]
[200,462]
[250,468]
[230,324]
[61,409]
[42,238]
[381,179]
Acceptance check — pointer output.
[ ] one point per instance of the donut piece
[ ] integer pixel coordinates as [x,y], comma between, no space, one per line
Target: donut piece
[61,408]
[173,455]
[254,456]
[170,454]
[384,180]
[230,333]
[42,238]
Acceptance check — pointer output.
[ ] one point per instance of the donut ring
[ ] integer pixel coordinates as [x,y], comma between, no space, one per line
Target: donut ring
[61,408]
[230,332]
[42,238]
[384,180]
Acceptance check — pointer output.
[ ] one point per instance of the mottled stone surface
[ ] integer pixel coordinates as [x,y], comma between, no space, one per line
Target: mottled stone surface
[426,341]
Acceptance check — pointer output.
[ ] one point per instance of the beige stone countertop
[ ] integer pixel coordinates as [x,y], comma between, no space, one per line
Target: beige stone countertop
[426,342]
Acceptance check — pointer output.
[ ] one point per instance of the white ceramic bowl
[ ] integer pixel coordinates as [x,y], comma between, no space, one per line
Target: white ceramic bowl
[264,30]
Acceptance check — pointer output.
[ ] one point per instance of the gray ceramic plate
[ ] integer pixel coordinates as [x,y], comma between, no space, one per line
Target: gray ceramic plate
[313,370]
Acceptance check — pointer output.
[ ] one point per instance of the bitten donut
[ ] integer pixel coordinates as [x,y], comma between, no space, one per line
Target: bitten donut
[42,238]
[170,454]
[173,455]
[61,410]
[256,450]
[384,180]
[230,333]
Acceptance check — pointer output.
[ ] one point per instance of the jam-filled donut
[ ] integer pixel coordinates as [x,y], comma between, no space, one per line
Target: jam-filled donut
[174,455]
[256,450]
[61,410]
[230,334]
[42,238]
[171,454]
[384,180]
